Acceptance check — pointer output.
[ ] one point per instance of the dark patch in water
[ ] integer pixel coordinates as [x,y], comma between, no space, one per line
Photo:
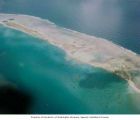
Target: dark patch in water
[99,80]
[13,101]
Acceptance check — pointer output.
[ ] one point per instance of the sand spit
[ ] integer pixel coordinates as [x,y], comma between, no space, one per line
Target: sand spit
[84,48]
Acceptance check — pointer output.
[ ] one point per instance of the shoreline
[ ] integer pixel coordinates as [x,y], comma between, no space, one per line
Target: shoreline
[97,52]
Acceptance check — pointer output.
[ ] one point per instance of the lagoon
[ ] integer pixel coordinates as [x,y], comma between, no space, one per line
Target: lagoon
[58,85]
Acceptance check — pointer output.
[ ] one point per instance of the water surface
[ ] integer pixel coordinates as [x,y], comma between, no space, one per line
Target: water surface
[58,85]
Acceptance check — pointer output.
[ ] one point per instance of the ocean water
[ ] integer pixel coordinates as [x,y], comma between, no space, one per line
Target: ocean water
[58,85]
[115,20]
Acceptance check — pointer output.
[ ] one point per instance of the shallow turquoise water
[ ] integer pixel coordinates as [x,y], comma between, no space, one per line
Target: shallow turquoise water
[61,86]
[58,85]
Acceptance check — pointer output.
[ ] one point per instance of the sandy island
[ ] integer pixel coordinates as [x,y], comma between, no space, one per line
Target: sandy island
[87,49]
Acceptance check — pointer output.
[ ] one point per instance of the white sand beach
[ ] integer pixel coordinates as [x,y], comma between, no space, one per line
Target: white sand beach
[81,47]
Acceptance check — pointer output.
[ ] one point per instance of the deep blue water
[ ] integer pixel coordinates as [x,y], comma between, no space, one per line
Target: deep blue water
[61,86]
[116,20]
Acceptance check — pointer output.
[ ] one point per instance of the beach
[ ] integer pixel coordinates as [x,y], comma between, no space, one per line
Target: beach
[83,48]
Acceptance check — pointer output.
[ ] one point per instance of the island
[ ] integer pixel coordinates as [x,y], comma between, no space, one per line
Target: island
[83,48]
